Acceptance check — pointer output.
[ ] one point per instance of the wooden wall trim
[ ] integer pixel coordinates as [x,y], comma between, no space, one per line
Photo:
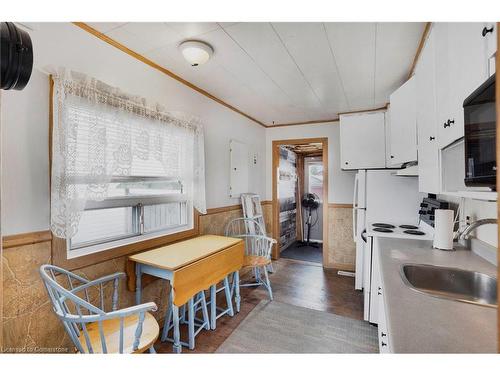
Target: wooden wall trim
[154,65]
[234,207]
[275,205]
[205,93]
[340,205]
[342,266]
[23,239]
[419,48]
[216,210]
[365,110]
[312,122]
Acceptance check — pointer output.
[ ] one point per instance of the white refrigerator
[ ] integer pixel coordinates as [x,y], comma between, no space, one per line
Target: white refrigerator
[381,196]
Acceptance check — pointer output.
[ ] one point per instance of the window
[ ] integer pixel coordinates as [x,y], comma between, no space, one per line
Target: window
[121,172]
[137,206]
[315,179]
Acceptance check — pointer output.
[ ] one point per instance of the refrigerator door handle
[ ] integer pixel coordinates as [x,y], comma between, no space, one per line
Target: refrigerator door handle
[355,196]
[354,224]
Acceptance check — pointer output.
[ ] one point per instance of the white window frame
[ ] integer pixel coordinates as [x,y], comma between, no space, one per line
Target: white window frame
[138,203]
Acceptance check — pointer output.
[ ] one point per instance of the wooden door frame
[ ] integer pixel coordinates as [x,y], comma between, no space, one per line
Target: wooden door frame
[275,164]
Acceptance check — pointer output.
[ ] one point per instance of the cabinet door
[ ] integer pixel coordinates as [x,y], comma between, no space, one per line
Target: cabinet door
[403,124]
[442,76]
[489,33]
[428,154]
[468,67]
[383,334]
[362,140]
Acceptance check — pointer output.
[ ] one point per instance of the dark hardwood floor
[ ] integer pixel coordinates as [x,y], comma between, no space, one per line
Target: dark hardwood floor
[294,282]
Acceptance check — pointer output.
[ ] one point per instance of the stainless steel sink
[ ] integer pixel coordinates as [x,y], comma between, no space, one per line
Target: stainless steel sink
[451,283]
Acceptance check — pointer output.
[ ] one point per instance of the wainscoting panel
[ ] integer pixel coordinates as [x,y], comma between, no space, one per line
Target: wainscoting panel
[341,247]
[30,325]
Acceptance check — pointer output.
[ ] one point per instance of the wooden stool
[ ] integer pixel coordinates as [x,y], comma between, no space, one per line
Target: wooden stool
[217,312]
[195,325]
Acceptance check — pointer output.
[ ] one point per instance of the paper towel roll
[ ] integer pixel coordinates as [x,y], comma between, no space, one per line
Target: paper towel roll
[443,229]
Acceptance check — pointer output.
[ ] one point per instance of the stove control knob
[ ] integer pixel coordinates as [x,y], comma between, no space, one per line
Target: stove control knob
[431,217]
[423,204]
[422,212]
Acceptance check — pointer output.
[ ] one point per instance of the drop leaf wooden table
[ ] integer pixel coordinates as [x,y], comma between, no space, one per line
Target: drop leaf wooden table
[190,266]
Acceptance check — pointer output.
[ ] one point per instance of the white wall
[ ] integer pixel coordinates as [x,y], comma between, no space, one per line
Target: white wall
[25,195]
[340,183]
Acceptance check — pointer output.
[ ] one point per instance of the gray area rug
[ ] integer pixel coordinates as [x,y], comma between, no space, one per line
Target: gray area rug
[274,327]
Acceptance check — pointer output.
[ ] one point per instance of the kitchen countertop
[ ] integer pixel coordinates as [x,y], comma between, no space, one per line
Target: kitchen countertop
[420,323]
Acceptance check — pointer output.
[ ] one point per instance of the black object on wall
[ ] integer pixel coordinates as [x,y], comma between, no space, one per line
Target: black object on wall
[16,55]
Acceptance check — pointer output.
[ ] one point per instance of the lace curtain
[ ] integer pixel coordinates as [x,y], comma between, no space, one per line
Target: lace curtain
[100,133]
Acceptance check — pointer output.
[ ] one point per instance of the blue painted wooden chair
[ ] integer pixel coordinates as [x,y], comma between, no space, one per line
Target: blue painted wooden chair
[257,251]
[195,325]
[95,329]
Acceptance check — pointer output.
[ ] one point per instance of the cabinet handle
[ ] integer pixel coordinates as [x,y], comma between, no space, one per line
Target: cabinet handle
[384,344]
[392,156]
[448,123]
[383,334]
[486,30]
[346,163]
[432,138]
[379,291]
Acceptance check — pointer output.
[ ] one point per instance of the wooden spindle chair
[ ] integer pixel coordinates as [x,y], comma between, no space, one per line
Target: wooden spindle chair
[257,251]
[93,329]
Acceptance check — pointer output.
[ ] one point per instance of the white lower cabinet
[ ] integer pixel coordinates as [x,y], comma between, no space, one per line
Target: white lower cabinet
[383,333]
[377,303]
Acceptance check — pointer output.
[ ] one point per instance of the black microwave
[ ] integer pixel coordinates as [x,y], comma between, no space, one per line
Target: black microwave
[480,136]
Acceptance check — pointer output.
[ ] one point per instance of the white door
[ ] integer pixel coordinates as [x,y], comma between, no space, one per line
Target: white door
[428,154]
[403,131]
[362,140]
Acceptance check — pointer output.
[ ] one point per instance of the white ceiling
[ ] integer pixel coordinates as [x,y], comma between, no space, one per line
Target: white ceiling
[284,72]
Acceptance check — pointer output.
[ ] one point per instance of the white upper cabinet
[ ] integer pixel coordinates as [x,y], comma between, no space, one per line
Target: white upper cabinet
[461,67]
[428,152]
[403,130]
[362,140]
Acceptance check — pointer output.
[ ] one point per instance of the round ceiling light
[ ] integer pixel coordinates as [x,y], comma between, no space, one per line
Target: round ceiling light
[196,52]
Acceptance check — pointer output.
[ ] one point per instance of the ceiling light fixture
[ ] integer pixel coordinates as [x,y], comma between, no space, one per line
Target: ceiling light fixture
[196,52]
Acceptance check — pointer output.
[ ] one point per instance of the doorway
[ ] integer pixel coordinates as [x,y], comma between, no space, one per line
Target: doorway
[300,199]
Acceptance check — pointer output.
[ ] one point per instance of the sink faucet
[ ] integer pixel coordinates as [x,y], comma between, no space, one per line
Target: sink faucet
[465,233]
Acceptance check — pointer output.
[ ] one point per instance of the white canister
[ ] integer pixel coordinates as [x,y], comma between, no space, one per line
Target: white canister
[443,229]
